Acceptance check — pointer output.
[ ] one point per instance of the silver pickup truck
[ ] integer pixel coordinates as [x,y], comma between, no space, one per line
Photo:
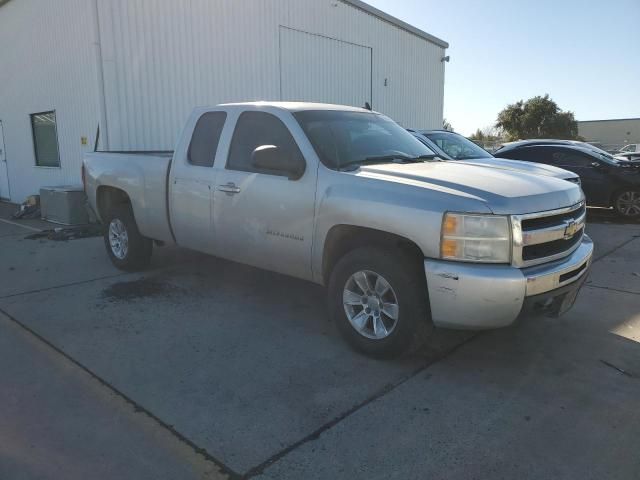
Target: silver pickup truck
[347,198]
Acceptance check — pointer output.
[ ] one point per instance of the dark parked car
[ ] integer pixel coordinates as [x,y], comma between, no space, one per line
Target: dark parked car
[606,181]
[453,146]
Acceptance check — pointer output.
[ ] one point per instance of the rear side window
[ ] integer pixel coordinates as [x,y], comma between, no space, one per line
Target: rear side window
[571,158]
[253,130]
[530,154]
[205,139]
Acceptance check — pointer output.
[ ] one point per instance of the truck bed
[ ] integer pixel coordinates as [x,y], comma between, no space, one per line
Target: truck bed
[143,177]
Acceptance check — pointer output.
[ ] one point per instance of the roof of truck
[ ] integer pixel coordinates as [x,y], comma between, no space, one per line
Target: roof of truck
[297,106]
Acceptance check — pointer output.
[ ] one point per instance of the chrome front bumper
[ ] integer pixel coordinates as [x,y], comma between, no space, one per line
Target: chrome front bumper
[474,296]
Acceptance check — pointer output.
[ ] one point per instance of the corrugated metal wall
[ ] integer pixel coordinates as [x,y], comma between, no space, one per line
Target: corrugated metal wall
[163,57]
[337,72]
[612,133]
[46,63]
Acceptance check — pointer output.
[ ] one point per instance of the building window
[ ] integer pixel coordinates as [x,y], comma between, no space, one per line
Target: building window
[45,139]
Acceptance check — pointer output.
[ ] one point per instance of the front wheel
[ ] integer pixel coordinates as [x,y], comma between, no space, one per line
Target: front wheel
[127,248]
[627,204]
[378,299]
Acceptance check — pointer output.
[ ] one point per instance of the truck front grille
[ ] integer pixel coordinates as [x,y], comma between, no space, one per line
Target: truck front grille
[536,223]
[547,236]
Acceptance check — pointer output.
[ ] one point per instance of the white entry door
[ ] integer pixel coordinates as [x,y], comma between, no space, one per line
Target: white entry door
[314,68]
[4,175]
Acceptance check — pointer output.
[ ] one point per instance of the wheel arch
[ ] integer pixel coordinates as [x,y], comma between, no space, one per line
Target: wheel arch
[343,238]
[107,197]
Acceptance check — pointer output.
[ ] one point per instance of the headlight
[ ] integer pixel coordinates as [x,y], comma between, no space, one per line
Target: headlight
[475,238]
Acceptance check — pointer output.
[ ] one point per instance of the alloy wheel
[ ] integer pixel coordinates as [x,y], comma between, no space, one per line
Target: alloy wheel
[371,305]
[628,203]
[118,238]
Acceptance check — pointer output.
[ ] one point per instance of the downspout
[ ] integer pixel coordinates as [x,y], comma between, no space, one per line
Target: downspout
[102,102]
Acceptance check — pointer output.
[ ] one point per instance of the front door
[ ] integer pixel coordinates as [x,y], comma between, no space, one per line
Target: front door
[4,174]
[596,182]
[263,218]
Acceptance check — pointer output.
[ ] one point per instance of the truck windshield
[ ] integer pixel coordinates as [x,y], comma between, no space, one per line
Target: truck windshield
[457,146]
[342,138]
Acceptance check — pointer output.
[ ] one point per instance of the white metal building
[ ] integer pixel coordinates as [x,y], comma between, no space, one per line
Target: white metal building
[614,134]
[136,68]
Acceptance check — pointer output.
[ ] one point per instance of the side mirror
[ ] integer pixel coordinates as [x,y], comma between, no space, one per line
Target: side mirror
[270,157]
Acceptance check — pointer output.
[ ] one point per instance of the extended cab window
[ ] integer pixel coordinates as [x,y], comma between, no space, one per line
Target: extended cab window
[253,130]
[206,135]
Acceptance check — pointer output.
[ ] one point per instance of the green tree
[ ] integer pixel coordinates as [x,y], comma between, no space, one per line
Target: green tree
[446,125]
[538,117]
[478,135]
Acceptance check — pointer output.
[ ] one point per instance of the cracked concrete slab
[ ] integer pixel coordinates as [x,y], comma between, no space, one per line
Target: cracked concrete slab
[244,363]
[619,270]
[241,361]
[59,422]
[533,401]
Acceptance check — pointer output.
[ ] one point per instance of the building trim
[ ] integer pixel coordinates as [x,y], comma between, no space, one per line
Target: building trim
[365,7]
[609,120]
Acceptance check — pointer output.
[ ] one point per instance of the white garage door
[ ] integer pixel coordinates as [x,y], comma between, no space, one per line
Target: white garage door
[314,68]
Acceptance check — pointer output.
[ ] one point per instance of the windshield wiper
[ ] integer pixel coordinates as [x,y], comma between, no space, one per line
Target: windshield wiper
[398,158]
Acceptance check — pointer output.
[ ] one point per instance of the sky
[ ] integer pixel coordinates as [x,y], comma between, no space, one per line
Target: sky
[584,54]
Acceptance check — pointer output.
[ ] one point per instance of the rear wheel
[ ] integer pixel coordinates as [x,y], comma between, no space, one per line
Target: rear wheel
[627,204]
[379,302]
[127,248]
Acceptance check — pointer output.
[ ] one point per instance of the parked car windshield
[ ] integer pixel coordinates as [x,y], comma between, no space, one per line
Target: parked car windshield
[602,155]
[343,138]
[457,146]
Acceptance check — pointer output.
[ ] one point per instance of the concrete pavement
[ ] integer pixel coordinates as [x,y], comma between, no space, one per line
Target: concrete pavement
[59,422]
[243,365]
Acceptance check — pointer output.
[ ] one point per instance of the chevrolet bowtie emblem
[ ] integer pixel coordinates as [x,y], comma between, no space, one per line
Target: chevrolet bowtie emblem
[570,229]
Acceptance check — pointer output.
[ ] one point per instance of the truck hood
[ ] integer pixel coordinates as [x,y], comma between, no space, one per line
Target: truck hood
[503,191]
[518,165]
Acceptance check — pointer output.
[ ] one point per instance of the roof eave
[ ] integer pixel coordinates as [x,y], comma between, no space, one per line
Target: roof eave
[397,22]
[383,16]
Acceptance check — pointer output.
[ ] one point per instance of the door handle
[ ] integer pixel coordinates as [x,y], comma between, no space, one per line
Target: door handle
[229,188]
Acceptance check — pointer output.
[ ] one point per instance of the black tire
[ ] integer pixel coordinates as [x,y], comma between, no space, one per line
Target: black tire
[627,203]
[408,283]
[138,252]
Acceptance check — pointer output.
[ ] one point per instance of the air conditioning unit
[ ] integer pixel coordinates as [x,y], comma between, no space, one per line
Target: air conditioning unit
[64,205]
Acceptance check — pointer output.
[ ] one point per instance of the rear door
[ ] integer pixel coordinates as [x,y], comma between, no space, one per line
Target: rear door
[262,218]
[192,182]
